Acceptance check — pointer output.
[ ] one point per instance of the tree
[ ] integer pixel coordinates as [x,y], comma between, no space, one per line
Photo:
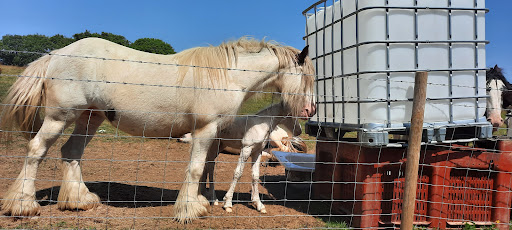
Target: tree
[152,45]
[25,45]
[60,41]
[21,50]
[119,39]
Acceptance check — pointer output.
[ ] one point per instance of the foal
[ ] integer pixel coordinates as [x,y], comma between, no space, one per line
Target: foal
[251,141]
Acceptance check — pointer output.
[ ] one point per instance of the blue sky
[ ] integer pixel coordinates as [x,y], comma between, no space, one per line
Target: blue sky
[185,24]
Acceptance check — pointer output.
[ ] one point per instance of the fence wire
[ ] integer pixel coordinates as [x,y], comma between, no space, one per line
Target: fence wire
[338,182]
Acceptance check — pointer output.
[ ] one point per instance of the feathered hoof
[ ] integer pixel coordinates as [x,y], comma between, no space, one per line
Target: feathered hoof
[84,202]
[216,202]
[188,209]
[204,201]
[20,205]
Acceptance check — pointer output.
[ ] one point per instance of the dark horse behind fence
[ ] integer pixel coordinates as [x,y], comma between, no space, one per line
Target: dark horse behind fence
[500,95]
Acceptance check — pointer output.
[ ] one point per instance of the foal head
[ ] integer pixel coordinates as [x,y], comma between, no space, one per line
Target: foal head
[497,84]
[296,83]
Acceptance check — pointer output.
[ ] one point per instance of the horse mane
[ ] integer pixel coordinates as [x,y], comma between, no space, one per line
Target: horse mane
[496,73]
[213,62]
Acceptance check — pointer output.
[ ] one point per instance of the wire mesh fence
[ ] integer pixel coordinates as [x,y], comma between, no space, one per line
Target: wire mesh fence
[137,174]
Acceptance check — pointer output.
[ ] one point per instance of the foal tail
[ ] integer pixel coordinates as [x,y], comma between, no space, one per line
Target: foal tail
[24,101]
[295,144]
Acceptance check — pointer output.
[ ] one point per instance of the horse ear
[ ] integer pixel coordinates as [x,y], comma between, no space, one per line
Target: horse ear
[302,56]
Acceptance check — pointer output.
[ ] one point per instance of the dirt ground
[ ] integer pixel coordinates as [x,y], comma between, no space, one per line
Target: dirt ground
[138,182]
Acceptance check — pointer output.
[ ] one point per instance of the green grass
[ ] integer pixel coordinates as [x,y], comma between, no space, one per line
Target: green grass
[258,102]
[337,225]
[7,81]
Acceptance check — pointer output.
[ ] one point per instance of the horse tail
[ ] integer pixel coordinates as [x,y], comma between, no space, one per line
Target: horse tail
[25,98]
[295,144]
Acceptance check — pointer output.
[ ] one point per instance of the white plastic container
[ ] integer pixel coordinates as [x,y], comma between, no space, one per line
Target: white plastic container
[369,59]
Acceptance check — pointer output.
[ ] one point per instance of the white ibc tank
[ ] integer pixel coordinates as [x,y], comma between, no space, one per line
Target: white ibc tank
[366,52]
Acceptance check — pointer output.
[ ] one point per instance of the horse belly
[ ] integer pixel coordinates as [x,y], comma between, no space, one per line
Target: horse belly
[147,124]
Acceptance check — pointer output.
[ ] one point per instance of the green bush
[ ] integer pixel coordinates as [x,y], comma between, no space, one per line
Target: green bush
[30,43]
[152,45]
[119,39]
[41,44]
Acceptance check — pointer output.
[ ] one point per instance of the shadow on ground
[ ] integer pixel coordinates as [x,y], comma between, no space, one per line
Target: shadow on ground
[295,195]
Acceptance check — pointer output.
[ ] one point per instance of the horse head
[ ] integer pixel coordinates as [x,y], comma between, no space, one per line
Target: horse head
[497,86]
[296,83]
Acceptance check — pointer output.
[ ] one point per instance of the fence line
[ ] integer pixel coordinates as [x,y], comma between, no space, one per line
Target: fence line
[319,77]
[144,185]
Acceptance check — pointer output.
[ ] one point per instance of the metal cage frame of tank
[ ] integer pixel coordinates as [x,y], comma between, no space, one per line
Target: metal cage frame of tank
[377,134]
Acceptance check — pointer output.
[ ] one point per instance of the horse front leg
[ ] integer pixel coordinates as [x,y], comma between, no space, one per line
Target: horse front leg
[19,200]
[73,193]
[190,203]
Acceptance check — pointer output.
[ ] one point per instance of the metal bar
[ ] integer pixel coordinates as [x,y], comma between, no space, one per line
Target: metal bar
[405,100]
[357,65]
[399,7]
[477,91]
[332,59]
[312,6]
[399,42]
[316,62]
[342,67]
[450,62]
[405,71]
[388,82]
[323,52]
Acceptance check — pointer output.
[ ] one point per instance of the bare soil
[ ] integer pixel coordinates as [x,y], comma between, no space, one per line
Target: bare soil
[138,181]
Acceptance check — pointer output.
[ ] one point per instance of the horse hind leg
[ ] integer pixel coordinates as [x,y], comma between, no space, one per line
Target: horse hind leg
[74,194]
[19,200]
[255,195]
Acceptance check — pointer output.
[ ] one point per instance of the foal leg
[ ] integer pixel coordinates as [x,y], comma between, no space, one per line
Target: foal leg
[73,193]
[228,198]
[255,195]
[190,204]
[19,200]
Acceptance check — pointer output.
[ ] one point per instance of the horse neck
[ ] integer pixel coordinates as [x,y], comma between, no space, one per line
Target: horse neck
[265,65]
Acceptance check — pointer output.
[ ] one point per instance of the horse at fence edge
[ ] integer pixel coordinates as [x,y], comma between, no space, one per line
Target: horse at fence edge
[199,90]
[499,95]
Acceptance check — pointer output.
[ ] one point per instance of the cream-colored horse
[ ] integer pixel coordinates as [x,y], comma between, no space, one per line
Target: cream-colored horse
[146,95]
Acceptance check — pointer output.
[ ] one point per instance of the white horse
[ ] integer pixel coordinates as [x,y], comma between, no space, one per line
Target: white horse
[249,134]
[198,90]
[499,97]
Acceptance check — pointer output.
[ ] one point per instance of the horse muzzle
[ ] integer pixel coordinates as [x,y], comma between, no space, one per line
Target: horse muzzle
[308,111]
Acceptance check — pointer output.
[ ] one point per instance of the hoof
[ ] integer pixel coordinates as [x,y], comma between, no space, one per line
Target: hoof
[85,202]
[228,209]
[216,202]
[259,206]
[188,208]
[205,202]
[21,205]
